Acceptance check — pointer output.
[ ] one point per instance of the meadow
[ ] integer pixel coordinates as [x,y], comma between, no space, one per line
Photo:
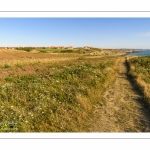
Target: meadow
[46,92]
[140,72]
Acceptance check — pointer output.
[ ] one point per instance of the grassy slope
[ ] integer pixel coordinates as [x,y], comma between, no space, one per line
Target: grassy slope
[140,71]
[54,97]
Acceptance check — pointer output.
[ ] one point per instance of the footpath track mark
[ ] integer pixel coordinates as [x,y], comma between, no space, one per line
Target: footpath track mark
[124,110]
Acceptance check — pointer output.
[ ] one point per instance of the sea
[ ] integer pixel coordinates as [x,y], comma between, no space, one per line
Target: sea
[140,53]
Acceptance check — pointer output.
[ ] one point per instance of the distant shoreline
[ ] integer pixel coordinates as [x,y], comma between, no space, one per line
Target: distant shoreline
[140,53]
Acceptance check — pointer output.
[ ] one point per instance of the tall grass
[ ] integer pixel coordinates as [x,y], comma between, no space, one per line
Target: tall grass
[59,98]
[9,63]
[140,71]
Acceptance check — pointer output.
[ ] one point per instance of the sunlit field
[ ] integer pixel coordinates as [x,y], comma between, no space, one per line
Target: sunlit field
[47,92]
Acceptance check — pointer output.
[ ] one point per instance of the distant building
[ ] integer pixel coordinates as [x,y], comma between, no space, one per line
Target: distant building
[56,47]
[60,47]
[87,47]
[69,47]
[52,47]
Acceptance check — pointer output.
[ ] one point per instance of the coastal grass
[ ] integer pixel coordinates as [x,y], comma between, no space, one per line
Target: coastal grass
[140,71]
[52,96]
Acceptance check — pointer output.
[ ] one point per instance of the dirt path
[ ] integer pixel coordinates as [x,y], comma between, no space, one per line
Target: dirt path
[124,110]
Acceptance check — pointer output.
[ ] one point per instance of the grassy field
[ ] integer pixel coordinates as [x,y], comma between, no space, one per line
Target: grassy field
[140,71]
[92,51]
[43,92]
[62,50]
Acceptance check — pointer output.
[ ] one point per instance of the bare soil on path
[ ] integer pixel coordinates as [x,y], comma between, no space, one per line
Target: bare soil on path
[124,110]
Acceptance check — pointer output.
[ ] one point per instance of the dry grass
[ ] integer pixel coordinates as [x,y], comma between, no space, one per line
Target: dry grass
[14,62]
[120,109]
[139,70]
[144,87]
[51,94]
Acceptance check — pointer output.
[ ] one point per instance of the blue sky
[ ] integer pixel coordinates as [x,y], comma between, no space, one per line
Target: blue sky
[95,32]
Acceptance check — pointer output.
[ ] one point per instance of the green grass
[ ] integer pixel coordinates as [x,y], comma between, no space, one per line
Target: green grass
[56,50]
[75,50]
[27,49]
[7,66]
[60,98]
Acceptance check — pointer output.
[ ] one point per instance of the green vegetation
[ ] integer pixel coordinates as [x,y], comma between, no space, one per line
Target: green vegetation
[63,50]
[7,66]
[140,71]
[27,49]
[58,98]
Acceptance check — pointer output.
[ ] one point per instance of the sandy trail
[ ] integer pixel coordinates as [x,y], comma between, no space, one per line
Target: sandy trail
[124,110]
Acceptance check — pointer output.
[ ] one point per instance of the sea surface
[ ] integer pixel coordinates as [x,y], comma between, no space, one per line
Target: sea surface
[140,53]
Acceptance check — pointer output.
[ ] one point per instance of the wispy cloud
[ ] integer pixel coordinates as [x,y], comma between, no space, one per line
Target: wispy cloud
[144,34]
